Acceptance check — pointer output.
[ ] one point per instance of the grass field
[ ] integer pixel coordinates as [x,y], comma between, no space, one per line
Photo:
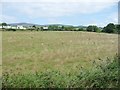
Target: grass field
[30,52]
[0,59]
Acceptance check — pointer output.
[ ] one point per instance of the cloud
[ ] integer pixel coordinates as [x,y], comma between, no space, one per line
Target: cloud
[60,1]
[8,19]
[119,18]
[112,18]
[0,8]
[52,9]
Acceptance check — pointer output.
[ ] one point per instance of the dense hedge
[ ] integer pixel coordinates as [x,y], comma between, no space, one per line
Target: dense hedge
[101,76]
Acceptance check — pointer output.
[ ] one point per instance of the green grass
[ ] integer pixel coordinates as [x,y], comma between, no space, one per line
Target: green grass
[25,53]
[0,59]
[100,76]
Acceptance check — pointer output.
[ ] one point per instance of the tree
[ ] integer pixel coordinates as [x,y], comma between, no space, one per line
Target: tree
[50,27]
[81,29]
[4,24]
[96,29]
[34,26]
[91,28]
[110,28]
[117,30]
[62,28]
[69,28]
[53,27]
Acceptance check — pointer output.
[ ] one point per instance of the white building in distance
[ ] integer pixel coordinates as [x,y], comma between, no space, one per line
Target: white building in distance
[13,27]
[45,27]
[20,27]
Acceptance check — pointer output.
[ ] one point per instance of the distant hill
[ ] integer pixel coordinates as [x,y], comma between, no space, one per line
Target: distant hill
[31,24]
[60,24]
[23,24]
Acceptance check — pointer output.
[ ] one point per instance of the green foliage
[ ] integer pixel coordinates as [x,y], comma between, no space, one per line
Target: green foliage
[4,24]
[34,26]
[100,76]
[93,29]
[90,28]
[110,28]
[117,28]
[10,29]
[81,29]
[53,27]
[69,28]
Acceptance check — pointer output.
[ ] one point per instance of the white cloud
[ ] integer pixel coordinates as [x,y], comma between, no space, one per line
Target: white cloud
[112,18]
[8,19]
[119,17]
[52,9]
[60,1]
[55,9]
[0,8]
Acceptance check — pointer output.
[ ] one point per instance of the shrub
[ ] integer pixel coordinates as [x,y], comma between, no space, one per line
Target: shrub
[110,28]
[10,29]
[100,76]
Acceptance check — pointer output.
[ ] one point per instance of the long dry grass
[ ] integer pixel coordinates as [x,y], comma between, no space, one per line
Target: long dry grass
[64,51]
[0,53]
[0,59]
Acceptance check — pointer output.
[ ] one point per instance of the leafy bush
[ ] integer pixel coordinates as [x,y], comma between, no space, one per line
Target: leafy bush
[10,29]
[91,28]
[110,28]
[100,76]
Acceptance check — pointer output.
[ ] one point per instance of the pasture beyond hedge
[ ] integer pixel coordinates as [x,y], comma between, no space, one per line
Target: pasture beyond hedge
[59,59]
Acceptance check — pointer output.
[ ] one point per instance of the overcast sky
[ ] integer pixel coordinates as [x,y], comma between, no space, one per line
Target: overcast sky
[74,12]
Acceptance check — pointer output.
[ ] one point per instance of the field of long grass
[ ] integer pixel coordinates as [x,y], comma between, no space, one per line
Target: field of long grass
[0,59]
[55,59]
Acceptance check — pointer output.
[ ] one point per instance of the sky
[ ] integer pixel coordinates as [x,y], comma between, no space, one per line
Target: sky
[70,12]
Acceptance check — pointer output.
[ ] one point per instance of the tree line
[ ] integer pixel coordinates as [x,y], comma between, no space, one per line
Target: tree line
[110,28]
